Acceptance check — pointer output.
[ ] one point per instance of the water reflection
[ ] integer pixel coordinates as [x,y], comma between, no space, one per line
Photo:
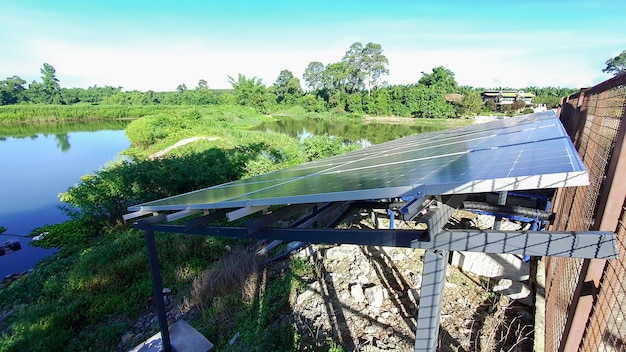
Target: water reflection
[36,167]
[355,131]
[63,142]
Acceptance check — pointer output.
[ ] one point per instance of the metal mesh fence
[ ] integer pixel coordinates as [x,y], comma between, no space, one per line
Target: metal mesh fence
[593,119]
[561,277]
[606,330]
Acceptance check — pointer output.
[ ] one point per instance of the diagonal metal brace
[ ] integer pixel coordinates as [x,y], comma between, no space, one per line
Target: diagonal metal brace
[438,215]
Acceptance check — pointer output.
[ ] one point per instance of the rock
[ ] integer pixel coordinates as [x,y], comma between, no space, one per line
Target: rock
[356,291]
[416,280]
[339,253]
[514,290]
[372,329]
[509,226]
[374,296]
[484,222]
[306,295]
[343,295]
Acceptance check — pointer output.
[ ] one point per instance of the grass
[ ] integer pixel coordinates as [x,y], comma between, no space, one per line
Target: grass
[240,296]
[86,296]
[55,113]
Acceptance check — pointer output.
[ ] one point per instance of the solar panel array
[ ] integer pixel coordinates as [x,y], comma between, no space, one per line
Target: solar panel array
[526,152]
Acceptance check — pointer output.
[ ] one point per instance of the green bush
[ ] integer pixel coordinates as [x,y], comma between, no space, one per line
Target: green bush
[319,147]
[108,193]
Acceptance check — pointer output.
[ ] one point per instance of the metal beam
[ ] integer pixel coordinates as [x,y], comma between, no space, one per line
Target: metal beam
[589,244]
[431,297]
[182,214]
[280,214]
[436,218]
[206,219]
[412,208]
[136,214]
[240,213]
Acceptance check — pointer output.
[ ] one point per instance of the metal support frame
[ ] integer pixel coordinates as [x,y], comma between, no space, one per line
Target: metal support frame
[431,298]
[157,287]
[436,241]
[588,244]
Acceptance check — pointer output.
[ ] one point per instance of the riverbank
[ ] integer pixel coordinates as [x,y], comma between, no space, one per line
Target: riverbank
[78,112]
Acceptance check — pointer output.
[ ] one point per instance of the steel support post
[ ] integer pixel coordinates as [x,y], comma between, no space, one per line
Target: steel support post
[502,195]
[431,298]
[157,287]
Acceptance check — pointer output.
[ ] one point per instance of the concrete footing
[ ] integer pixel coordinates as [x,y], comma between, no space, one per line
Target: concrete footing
[183,337]
[494,266]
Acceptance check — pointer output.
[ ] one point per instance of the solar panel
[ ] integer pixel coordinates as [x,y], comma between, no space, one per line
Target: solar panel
[526,152]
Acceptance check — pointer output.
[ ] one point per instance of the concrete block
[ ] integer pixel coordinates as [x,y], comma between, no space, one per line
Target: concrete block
[496,266]
[183,337]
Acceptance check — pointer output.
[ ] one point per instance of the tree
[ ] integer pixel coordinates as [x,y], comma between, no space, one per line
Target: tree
[202,84]
[374,65]
[616,65]
[50,85]
[518,105]
[382,102]
[283,78]
[248,91]
[35,93]
[287,87]
[181,88]
[442,77]
[428,102]
[150,97]
[12,90]
[367,64]
[335,76]
[354,60]
[471,104]
[313,75]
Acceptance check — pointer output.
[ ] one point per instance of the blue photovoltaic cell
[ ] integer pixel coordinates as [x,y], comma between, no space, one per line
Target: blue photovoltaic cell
[527,152]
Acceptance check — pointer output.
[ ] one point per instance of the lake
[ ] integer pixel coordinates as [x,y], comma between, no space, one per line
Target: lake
[357,131]
[37,163]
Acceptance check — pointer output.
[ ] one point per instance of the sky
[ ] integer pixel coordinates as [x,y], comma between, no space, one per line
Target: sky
[158,45]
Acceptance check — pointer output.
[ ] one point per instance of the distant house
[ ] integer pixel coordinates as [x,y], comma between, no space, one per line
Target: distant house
[505,97]
[453,98]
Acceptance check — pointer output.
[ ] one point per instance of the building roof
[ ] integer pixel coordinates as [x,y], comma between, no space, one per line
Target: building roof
[451,97]
[507,93]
